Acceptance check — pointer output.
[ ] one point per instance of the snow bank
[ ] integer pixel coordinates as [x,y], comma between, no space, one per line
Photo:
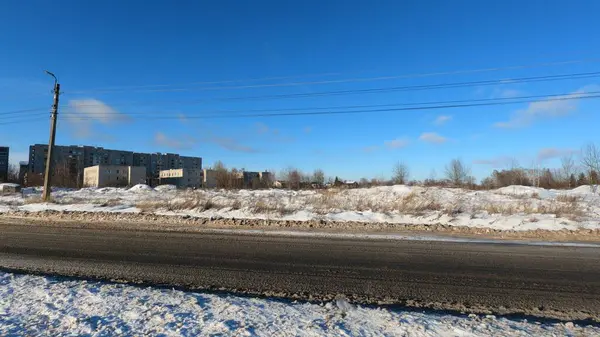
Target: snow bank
[585,190]
[525,191]
[39,306]
[508,208]
[141,188]
[8,185]
[165,188]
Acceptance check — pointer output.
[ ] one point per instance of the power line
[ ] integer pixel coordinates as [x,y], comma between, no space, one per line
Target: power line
[391,89]
[431,106]
[156,88]
[28,115]
[15,112]
[312,113]
[528,97]
[23,121]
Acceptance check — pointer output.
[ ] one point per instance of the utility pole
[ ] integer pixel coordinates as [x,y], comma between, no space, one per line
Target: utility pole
[49,161]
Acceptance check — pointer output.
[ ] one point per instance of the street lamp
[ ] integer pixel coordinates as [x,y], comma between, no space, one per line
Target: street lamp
[53,117]
[51,74]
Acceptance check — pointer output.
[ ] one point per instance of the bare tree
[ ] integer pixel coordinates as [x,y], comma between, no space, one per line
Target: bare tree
[457,172]
[401,173]
[306,179]
[293,177]
[65,175]
[590,159]
[218,165]
[318,177]
[582,179]
[221,176]
[235,178]
[567,169]
[514,164]
[535,173]
[13,174]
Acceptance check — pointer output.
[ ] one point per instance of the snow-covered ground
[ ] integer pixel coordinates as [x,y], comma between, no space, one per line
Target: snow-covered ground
[507,208]
[46,306]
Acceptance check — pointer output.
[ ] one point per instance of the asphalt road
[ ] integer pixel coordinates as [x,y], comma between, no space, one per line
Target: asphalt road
[546,281]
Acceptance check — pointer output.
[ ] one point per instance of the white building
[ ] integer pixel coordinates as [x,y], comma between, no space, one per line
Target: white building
[181,177]
[113,175]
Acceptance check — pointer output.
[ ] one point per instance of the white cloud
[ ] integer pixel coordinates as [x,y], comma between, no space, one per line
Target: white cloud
[370,149]
[552,152]
[274,135]
[231,144]
[550,108]
[83,113]
[261,128]
[95,110]
[396,143]
[184,142]
[440,120]
[497,162]
[432,137]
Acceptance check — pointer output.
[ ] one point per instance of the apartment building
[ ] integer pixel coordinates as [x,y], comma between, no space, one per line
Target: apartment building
[113,175]
[181,177]
[4,150]
[74,159]
[251,179]
[23,166]
[266,178]
[243,179]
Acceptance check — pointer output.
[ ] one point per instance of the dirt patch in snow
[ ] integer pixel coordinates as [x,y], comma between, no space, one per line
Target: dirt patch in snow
[186,223]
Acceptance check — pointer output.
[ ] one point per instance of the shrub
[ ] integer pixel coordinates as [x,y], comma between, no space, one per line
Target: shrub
[567,198]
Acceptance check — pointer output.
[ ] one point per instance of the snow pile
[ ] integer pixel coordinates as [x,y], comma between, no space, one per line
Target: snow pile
[166,188]
[141,188]
[507,208]
[39,306]
[8,185]
[526,191]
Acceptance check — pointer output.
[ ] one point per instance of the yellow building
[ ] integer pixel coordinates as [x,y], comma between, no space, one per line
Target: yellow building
[181,177]
[113,176]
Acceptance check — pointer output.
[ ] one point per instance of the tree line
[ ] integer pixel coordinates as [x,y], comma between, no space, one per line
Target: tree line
[456,173]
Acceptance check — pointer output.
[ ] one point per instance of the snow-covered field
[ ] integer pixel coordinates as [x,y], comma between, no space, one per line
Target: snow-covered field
[508,208]
[47,306]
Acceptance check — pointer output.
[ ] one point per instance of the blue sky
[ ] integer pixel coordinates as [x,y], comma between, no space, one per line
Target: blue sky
[121,61]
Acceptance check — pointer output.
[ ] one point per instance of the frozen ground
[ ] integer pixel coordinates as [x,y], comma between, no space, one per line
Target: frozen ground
[46,306]
[510,208]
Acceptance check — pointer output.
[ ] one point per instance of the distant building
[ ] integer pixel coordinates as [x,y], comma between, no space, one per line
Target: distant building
[209,178]
[23,172]
[4,163]
[237,179]
[266,178]
[251,179]
[113,176]
[8,188]
[72,160]
[181,177]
